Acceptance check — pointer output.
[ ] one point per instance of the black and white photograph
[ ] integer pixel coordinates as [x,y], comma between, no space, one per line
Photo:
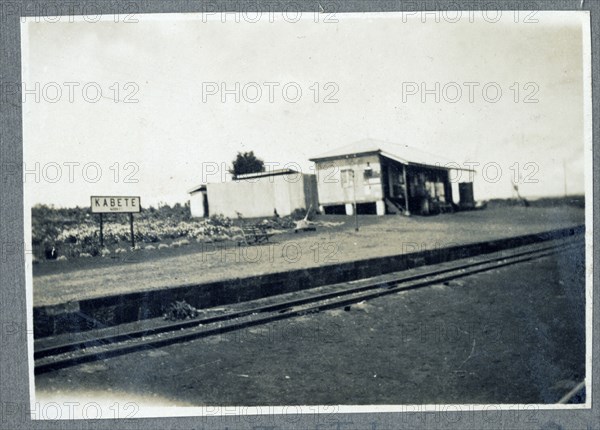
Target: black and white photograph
[275,212]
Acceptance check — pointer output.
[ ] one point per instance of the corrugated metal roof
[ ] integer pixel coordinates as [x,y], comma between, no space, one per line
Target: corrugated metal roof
[201,187]
[274,172]
[402,153]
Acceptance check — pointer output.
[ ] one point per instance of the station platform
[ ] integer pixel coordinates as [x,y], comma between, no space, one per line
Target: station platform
[114,292]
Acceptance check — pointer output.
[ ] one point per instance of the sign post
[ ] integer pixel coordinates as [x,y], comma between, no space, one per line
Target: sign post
[355,204]
[131,229]
[101,233]
[116,204]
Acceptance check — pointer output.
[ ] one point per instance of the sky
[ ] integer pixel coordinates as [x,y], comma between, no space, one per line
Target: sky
[161,126]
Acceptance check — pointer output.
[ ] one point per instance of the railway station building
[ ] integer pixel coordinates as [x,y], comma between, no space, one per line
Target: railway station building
[382,178]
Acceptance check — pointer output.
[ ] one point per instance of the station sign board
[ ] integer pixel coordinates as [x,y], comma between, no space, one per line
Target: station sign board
[115,204]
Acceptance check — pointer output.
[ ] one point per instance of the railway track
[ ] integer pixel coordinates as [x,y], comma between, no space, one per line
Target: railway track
[54,357]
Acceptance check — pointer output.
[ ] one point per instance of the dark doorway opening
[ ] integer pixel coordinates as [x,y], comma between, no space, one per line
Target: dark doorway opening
[205,204]
[335,210]
[366,208]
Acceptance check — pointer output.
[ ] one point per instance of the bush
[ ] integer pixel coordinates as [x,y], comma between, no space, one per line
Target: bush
[50,252]
[180,310]
[91,249]
[220,221]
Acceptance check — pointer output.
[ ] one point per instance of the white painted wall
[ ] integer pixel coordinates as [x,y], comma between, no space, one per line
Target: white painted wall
[258,197]
[332,190]
[197,205]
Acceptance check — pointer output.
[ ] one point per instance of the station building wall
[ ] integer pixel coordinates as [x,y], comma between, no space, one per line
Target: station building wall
[335,184]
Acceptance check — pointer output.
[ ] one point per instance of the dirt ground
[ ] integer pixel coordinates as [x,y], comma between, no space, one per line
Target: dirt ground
[334,242]
[512,335]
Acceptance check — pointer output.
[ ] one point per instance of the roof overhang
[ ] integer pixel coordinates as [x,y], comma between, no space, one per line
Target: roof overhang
[197,188]
[393,157]
[448,166]
[345,156]
[277,172]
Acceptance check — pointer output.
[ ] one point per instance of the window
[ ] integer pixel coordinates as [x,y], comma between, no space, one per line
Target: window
[347,178]
[369,174]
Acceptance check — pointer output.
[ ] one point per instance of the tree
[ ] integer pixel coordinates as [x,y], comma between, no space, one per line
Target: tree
[246,162]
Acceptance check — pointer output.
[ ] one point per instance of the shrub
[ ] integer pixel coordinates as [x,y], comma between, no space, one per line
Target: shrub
[91,249]
[50,252]
[180,310]
[220,221]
